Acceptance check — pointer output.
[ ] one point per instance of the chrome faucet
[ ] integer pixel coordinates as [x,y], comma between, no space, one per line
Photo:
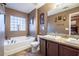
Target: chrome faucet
[12,41]
[55,34]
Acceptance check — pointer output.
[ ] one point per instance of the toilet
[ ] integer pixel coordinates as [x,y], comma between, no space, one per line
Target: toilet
[35,45]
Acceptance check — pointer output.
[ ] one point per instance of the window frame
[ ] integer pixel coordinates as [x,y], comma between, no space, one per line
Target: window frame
[19,22]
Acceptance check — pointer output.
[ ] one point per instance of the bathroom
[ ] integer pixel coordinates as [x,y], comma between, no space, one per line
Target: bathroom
[35,27]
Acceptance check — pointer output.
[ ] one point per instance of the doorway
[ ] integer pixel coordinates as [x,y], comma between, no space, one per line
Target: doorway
[74,23]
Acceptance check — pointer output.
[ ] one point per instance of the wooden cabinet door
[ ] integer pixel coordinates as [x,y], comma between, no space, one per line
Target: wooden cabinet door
[43,47]
[67,51]
[52,49]
[78,54]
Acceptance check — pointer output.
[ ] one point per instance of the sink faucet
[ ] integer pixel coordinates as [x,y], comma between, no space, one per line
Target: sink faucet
[14,41]
[55,34]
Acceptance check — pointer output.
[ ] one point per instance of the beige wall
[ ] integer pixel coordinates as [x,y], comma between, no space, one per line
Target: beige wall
[56,26]
[44,9]
[15,13]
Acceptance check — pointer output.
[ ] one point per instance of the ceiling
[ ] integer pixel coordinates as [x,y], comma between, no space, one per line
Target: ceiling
[24,7]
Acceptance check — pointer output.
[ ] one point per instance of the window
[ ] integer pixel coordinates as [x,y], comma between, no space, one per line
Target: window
[17,23]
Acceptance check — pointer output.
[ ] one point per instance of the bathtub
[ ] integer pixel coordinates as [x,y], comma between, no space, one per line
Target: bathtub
[17,44]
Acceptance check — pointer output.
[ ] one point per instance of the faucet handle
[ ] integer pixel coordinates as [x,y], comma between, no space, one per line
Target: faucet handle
[12,41]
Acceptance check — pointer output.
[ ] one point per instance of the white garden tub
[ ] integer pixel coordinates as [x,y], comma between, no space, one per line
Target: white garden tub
[17,44]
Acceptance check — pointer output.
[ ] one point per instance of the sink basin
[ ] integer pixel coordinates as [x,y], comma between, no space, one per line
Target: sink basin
[53,37]
[58,37]
[69,39]
[72,40]
[49,36]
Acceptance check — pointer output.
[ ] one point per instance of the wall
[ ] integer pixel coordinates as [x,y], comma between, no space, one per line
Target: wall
[65,24]
[44,9]
[15,13]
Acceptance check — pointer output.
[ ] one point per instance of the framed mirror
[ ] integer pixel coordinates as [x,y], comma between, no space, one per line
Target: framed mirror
[42,23]
[42,18]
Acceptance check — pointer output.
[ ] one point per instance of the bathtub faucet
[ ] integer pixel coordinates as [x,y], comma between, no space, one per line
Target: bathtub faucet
[13,41]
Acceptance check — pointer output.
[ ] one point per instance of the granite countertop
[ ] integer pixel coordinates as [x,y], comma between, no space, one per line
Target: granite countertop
[61,40]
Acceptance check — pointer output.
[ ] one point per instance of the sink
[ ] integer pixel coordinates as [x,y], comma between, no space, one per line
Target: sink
[72,40]
[53,37]
[58,37]
[49,36]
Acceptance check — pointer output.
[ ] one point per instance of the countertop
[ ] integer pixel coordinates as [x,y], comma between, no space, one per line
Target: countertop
[62,40]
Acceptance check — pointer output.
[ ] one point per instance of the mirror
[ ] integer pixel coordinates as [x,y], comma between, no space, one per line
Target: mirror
[42,24]
[64,21]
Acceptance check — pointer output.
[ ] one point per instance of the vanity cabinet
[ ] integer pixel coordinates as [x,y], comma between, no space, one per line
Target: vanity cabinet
[67,51]
[43,47]
[52,48]
[78,53]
